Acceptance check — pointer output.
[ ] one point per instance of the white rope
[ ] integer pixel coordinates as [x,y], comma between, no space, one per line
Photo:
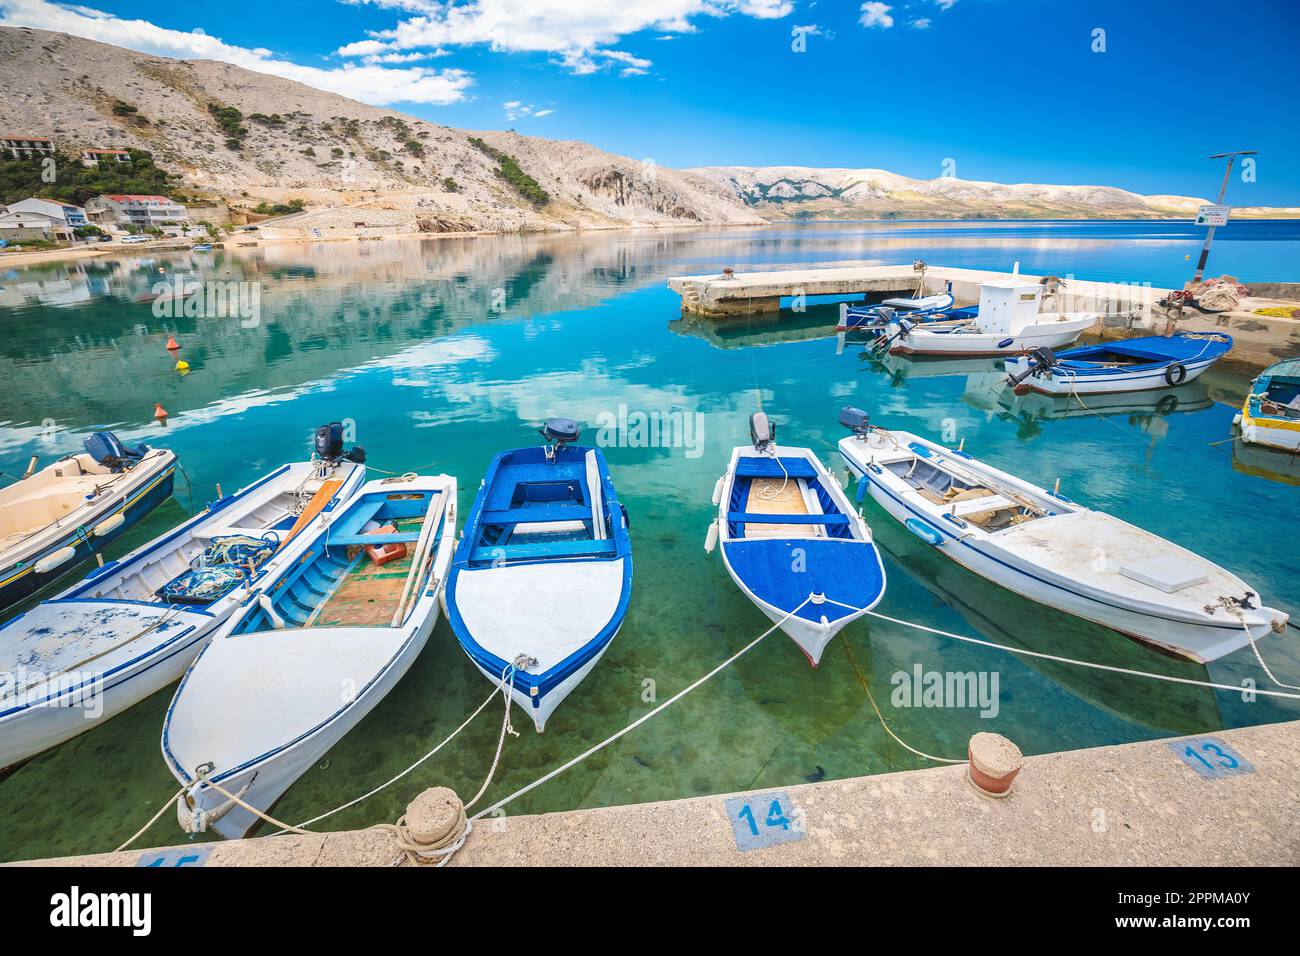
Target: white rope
[1212,685]
[640,720]
[1267,670]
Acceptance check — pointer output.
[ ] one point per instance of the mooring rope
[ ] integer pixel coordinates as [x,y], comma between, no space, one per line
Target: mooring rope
[640,720]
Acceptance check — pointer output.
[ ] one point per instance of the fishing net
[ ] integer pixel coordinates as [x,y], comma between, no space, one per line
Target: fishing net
[222,567]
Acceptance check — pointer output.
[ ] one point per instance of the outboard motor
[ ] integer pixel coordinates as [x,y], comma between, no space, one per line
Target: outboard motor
[903,327]
[1039,360]
[761,431]
[559,432]
[856,421]
[108,450]
[329,445]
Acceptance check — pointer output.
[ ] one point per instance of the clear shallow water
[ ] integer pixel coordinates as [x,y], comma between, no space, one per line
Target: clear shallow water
[402,338]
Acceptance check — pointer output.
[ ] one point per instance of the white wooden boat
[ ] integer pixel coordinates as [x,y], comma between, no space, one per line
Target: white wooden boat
[133,626]
[788,535]
[1057,552]
[312,649]
[55,518]
[1132,365]
[1007,322]
[543,572]
[1270,414]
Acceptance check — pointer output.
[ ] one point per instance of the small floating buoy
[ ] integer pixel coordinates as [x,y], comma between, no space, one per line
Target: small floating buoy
[160,414]
[182,366]
[171,344]
[994,763]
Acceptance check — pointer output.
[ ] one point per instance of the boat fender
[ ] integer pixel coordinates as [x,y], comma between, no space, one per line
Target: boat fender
[627,522]
[268,606]
[863,484]
[55,559]
[711,539]
[924,531]
[1176,374]
[717,490]
[109,525]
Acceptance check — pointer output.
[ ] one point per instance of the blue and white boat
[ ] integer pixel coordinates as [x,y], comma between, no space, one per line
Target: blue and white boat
[1270,415]
[314,646]
[54,518]
[875,318]
[792,541]
[543,572]
[1133,365]
[132,626]
[1058,552]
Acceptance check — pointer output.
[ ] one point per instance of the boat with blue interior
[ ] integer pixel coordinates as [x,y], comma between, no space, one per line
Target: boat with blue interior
[793,542]
[1270,415]
[312,648]
[1132,365]
[132,626]
[543,572]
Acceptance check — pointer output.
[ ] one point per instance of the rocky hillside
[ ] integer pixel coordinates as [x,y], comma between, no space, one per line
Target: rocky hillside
[284,140]
[789,192]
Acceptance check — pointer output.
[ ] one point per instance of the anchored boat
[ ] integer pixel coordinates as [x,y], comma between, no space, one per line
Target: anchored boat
[314,646]
[918,308]
[55,518]
[1271,413]
[793,542]
[1134,365]
[1007,321]
[133,626]
[543,572]
[1055,551]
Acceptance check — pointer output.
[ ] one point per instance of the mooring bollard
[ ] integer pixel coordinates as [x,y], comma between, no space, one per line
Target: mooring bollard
[434,818]
[994,763]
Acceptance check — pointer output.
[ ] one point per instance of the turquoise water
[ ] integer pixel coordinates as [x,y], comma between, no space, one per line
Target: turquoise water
[442,352]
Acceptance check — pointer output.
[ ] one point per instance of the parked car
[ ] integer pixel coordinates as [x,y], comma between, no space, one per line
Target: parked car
[134,239]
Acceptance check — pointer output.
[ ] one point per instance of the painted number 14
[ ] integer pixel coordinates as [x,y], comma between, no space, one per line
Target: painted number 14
[775,817]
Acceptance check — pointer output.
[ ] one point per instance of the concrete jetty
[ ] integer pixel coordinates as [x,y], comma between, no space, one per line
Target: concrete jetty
[752,293]
[1222,799]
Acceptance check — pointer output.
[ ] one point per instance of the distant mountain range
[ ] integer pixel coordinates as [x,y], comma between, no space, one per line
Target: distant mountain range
[801,192]
[250,137]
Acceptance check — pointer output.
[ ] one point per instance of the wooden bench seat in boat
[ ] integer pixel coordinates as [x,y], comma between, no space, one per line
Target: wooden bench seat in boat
[547,549]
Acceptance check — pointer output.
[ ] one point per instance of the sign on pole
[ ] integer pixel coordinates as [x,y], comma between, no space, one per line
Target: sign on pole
[1213,215]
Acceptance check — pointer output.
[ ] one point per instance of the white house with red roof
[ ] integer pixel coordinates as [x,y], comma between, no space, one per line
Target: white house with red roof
[142,212]
[26,147]
[93,157]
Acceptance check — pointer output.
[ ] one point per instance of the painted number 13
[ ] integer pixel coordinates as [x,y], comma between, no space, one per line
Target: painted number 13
[1226,761]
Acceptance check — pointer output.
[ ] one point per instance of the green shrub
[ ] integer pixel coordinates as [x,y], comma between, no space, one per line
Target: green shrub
[509,170]
[231,122]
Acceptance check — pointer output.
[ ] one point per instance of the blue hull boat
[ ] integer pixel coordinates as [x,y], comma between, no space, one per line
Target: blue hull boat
[792,541]
[1132,365]
[542,575]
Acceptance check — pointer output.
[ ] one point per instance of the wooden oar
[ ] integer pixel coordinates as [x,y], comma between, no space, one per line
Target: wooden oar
[323,496]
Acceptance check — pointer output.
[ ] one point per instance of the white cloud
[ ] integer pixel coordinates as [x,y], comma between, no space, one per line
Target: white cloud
[517,108]
[540,113]
[577,32]
[920,23]
[945,4]
[876,14]
[811,30]
[370,83]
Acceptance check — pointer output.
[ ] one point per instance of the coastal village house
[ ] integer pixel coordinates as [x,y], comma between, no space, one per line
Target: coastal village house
[17,226]
[26,147]
[142,212]
[69,215]
[93,157]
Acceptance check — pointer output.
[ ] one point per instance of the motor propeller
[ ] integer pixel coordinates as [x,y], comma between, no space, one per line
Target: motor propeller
[1039,360]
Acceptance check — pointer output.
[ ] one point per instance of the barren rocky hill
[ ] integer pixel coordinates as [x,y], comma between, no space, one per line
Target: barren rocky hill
[787,192]
[291,140]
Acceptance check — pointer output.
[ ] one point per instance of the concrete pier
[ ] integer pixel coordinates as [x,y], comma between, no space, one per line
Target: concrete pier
[1221,799]
[753,293]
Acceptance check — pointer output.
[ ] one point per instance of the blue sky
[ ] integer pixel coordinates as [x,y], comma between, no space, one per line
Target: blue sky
[1007,90]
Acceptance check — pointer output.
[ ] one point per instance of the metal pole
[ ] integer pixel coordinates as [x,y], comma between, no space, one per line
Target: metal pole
[1223,191]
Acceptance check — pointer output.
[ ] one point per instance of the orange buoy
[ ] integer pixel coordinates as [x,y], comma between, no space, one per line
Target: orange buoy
[159,412]
[171,344]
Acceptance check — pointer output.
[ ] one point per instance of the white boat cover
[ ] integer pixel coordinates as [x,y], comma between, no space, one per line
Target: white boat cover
[546,611]
[60,636]
[255,693]
[1091,548]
